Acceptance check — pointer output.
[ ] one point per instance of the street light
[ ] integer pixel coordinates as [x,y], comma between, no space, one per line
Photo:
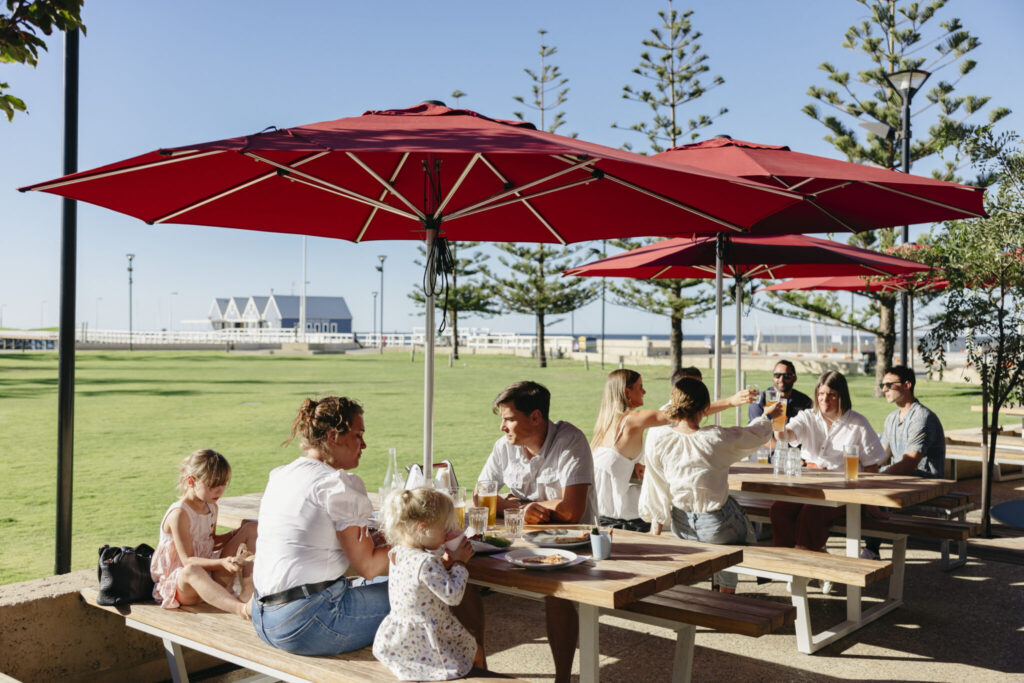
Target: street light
[603,254]
[170,311]
[382,257]
[906,83]
[131,257]
[374,314]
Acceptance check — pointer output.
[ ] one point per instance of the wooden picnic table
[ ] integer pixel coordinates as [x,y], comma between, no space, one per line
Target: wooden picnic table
[967,444]
[828,488]
[640,565]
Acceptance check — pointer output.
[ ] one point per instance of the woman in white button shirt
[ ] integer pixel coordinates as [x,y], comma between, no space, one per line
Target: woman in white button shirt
[822,434]
[686,483]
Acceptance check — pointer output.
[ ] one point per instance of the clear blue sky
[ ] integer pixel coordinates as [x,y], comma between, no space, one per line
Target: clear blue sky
[165,74]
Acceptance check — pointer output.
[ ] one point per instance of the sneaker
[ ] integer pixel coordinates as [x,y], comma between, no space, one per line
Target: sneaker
[826,587]
[868,554]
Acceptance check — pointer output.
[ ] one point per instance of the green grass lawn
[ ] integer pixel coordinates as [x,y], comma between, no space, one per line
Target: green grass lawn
[138,414]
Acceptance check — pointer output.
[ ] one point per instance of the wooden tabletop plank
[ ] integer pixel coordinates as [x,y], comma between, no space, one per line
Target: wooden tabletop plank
[869,488]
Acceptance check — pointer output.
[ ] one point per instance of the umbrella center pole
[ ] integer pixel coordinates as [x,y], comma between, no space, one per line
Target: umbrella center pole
[428,355]
[720,242]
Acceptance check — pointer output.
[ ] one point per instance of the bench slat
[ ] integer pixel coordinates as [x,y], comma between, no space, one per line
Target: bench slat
[899,523]
[233,635]
[852,571]
[724,612]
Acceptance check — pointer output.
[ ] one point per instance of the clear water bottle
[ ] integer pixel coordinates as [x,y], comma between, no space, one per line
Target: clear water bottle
[393,478]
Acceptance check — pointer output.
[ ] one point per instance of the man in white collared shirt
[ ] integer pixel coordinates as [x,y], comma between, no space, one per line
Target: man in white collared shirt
[549,471]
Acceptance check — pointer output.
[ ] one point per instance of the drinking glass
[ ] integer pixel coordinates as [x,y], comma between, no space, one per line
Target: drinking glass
[763,455]
[851,462]
[476,519]
[458,495]
[487,496]
[752,388]
[514,522]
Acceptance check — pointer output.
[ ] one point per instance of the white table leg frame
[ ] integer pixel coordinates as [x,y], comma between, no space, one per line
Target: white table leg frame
[682,663]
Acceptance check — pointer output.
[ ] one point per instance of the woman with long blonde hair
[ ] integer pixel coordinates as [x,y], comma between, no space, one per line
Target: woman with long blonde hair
[617,447]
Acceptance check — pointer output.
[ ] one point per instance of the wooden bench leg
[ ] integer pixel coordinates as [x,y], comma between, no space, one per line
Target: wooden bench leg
[176,661]
[682,663]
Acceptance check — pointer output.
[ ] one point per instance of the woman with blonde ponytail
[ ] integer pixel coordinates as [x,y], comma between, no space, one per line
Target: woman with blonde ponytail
[686,481]
[618,446]
[315,516]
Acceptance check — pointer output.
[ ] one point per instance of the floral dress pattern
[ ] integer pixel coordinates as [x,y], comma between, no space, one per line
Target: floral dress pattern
[166,565]
[420,640]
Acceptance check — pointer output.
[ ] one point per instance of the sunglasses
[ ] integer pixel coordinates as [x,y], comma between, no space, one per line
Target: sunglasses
[783,375]
[885,386]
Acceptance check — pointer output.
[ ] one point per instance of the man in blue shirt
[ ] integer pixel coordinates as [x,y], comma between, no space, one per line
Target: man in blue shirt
[913,436]
[783,379]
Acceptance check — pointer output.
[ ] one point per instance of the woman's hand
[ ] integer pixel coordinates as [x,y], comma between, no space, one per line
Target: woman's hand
[743,397]
[776,410]
[230,565]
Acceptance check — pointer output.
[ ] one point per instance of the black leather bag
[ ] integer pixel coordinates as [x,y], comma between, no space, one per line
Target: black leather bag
[124,574]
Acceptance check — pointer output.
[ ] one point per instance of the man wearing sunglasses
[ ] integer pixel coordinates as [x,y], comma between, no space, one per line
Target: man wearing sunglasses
[913,436]
[783,379]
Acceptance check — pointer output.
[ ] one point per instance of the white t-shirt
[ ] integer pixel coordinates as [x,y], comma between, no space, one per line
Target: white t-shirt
[691,471]
[564,460]
[304,506]
[824,447]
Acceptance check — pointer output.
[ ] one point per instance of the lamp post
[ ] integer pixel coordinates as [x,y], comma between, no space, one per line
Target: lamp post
[2,307]
[382,257]
[97,319]
[374,314]
[906,83]
[170,311]
[42,310]
[131,257]
[603,254]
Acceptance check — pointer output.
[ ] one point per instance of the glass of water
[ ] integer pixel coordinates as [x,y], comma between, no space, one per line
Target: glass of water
[514,522]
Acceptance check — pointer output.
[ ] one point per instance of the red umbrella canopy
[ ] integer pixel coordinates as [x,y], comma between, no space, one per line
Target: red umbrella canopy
[748,256]
[388,174]
[854,283]
[844,195]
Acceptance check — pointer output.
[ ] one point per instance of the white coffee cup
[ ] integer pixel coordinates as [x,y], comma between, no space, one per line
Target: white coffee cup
[453,544]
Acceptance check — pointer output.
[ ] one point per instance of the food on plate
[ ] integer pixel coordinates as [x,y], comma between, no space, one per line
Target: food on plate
[553,558]
[497,541]
[579,538]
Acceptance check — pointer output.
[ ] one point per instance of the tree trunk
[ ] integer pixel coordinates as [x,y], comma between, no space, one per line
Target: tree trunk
[675,342]
[542,359]
[885,341]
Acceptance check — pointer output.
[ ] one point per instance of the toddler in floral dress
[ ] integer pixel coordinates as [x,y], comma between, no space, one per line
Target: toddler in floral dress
[420,639]
[192,563]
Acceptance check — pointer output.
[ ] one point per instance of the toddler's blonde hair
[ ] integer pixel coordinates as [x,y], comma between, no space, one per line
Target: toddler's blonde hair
[404,510]
[205,465]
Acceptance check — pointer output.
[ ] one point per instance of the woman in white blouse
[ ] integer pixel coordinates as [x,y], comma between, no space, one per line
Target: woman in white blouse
[823,433]
[686,481]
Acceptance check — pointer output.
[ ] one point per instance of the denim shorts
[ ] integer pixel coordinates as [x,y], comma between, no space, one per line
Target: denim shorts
[340,618]
[724,526]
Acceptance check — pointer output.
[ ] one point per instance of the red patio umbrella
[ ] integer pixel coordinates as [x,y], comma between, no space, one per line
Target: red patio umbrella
[423,172]
[843,195]
[745,257]
[853,283]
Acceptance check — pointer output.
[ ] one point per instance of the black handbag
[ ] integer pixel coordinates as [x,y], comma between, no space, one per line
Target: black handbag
[124,576]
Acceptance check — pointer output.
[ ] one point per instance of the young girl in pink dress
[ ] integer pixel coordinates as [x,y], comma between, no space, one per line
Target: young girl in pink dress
[420,639]
[192,563]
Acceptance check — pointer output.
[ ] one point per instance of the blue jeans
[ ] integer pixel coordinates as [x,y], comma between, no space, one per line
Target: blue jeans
[724,526]
[340,618]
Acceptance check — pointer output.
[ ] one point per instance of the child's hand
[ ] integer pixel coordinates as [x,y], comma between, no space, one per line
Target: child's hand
[463,553]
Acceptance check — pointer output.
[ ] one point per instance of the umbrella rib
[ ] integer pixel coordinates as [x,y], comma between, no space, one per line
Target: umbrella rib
[387,185]
[924,199]
[660,273]
[229,191]
[383,194]
[837,186]
[831,215]
[536,214]
[458,183]
[120,171]
[321,184]
[672,202]
[489,201]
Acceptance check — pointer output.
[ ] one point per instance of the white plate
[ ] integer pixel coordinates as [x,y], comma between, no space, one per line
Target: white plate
[519,558]
[546,538]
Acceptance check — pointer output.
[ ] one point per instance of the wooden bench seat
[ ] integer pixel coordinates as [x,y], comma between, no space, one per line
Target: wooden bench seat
[683,608]
[231,638]
[902,525]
